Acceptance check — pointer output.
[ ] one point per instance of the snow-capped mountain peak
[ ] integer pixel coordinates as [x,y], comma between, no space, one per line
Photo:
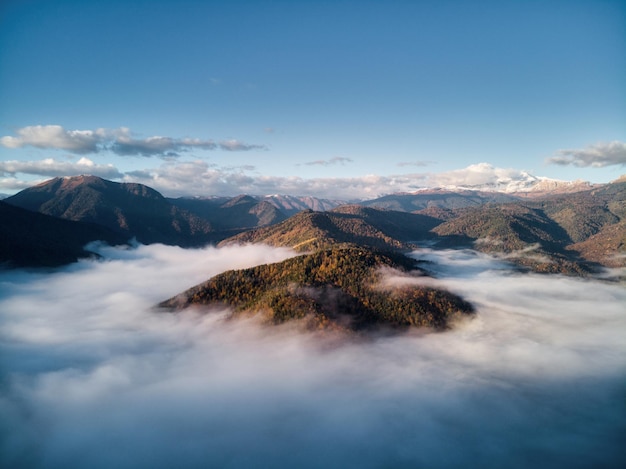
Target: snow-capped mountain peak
[484,177]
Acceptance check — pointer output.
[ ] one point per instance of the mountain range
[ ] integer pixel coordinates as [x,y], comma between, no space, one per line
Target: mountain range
[567,232]
[345,251]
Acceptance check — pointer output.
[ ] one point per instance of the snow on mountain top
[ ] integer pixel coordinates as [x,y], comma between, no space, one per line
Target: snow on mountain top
[486,178]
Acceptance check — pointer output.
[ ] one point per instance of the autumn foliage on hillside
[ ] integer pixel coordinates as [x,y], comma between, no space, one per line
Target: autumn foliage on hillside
[338,286]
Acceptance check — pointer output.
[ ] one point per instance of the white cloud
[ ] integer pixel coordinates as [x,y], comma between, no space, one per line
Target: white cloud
[88,366]
[124,144]
[200,178]
[13,184]
[480,174]
[120,141]
[595,156]
[56,137]
[51,167]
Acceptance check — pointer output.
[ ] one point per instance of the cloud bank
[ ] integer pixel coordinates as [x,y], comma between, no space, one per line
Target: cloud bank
[198,177]
[201,178]
[119,141]
[481,174]
[93,378]
[595,156]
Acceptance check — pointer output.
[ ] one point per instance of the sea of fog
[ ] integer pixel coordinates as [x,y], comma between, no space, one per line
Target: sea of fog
[92,377]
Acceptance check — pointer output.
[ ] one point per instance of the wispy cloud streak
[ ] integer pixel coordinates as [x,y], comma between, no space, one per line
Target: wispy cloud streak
[332,161]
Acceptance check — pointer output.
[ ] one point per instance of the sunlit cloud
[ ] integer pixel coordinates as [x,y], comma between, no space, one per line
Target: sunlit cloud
[481,174]
[200,178]
[14,184]
[595,156]
[177,177]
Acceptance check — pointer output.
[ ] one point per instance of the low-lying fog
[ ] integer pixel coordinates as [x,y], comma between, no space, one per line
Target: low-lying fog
[91,377]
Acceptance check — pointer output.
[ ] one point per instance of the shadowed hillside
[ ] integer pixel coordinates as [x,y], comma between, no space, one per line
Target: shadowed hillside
[129,209]
[29,239]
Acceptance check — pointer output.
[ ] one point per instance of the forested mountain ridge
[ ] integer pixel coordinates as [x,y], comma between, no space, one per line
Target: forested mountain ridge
[335,287]
[566,233]
[308,230]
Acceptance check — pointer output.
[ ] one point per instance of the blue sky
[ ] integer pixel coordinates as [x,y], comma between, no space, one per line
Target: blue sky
[336,98]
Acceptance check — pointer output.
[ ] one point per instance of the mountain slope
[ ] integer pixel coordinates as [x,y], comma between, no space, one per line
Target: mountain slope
[130,209]
[29,239]
[583,214]
[336,287]
[290,205]
[437,198]
[560,230]
[307,231]
[237,213]
[524,235]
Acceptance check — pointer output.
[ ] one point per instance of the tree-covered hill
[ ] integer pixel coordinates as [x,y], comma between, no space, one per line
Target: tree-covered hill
[339,286]
[565,233]
[308,230]
[524,235]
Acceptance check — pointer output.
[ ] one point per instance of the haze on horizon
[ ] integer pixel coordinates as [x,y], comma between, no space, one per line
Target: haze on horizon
[347,99]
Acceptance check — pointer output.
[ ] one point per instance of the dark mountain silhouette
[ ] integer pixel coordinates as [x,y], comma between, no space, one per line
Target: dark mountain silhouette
[129,209]
[339,287]
[29,239]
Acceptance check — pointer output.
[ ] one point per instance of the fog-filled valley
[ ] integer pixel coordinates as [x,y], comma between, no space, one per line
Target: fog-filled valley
[93,376]
[312,234]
